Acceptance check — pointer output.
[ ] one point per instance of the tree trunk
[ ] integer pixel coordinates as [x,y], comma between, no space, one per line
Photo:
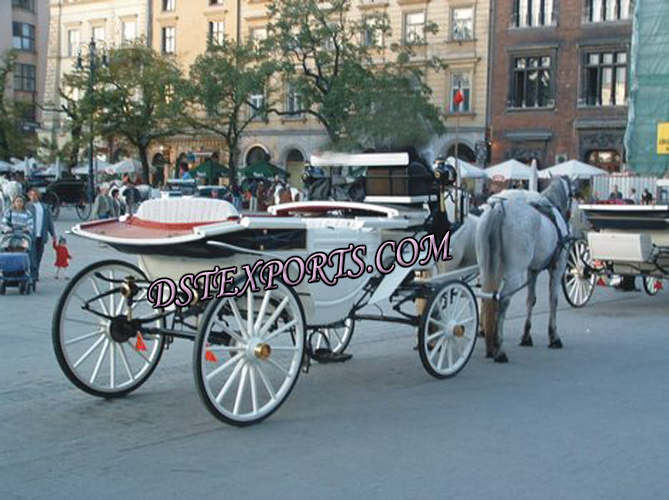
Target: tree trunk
[232,163]
[144,158]
[76,146]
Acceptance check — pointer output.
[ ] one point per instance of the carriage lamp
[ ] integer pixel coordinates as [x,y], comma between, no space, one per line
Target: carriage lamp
[129,287]
[444,173]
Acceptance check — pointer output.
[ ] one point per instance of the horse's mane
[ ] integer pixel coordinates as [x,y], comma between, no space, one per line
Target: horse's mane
[557,193]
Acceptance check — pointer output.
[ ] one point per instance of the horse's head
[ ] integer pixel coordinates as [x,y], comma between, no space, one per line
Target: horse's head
[560,193]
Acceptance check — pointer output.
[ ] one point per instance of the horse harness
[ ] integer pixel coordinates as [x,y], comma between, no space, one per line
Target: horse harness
[564,238]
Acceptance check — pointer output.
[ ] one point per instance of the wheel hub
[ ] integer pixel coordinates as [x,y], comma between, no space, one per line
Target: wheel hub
[262,350]
[121,330]
[459,331]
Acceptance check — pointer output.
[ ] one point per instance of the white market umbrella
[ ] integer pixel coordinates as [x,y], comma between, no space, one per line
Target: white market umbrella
[573,169]
[6,167]
[510,169]
[534,179]
[98,165]
[467,170]
[126,166]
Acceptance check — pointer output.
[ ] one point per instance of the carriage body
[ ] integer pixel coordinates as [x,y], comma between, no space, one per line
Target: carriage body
[250,348]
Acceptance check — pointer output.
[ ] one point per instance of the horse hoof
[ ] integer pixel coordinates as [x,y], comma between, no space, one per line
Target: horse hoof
[526,342]
[555,344]
[501,358]
[489,355]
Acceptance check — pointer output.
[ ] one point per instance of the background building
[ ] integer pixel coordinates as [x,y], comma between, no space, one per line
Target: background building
[23,27]
[559,80]
[73,24]
[183,27]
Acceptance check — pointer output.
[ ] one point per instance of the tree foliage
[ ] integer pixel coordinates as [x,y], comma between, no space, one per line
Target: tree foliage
[356,86]
[221,82]
[139,97]
[13,140]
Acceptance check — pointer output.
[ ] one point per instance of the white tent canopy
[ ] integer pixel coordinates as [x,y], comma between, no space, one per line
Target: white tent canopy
[574,169]
[467,170]
[6,167]
[98,164]
[126,166]
[510,169]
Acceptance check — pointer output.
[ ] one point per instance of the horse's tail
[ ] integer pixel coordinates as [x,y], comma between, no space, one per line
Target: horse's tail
[489,248]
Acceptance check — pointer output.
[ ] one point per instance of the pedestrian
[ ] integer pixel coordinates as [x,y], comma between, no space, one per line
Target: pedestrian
[253,202]
[18,222]
[117,204]
[62,257]
[261,194]
[634,196]
[43,227]
[647,198]
[103,206]
[615,194]
[131,195]
[185,174]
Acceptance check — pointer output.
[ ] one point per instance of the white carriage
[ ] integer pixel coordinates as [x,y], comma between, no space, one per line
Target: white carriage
[250,348]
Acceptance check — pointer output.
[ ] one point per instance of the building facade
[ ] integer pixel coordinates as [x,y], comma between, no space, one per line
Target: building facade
[74,23]
[559,80]
[24,27]
[182,28]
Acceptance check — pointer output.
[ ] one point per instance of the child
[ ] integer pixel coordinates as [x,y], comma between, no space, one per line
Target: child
[62,256]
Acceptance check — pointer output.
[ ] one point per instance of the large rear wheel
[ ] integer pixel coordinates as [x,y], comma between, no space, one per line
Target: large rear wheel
[52,201]
[83,208]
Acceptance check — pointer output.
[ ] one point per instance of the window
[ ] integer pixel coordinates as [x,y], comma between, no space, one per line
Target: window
[23,36]
[293,100]
[605,79]
[414,28]
[258,34]
[24,4]
[98,33]
[72,42]
[128,31]
[529,13]
[461,81]
[169,40]
[215,2]
[531,82]
[169,5]
[257,102]
[24,77]
[463,23]
[373,34]
[29,115]
[216,32]
[597,11]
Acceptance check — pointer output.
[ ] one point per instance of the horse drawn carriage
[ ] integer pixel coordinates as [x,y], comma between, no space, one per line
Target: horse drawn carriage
[623,241]
[66,192]
[250,342]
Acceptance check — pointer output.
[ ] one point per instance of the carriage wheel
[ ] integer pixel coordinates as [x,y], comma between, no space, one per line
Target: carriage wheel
[53,202]
[88,347]
[652,285]
[448,330]
[336,339]
[578,282]
[248,354]
[83,208]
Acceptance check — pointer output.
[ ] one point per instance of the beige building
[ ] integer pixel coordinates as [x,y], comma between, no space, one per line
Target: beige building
[23,27]
[74,23]
[181,27]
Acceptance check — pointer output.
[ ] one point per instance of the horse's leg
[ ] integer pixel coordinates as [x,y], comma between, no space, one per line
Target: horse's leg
[554,341]
[511,285]
[526,340]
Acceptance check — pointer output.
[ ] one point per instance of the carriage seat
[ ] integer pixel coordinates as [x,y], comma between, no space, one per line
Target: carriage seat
[186,210]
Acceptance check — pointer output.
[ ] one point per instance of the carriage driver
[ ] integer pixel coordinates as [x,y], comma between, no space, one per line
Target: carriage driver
[42,228]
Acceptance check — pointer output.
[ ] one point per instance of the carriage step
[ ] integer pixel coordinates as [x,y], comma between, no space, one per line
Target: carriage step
[327,356]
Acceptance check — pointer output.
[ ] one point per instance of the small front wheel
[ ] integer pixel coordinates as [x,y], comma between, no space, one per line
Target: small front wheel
[652,285]
[248,354]
[448,329]
[52,201]
[578,281]
[83,208]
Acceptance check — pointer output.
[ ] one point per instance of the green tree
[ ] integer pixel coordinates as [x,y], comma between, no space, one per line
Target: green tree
[139,96]
[348,78]
[219,90]
[13,141]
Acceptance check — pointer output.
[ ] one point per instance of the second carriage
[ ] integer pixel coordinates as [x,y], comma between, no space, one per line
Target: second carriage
[251,345]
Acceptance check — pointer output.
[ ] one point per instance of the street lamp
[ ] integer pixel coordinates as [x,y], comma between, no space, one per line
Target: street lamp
[96,57]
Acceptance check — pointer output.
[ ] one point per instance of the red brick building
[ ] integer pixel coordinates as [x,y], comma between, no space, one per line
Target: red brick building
[558,80]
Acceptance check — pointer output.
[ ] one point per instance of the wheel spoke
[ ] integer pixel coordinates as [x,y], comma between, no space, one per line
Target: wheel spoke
[89,351]
[226,329]
[263,309]
[99,299]
[254,388]
[249,313]
[285,348]
[124,359]
[99,362]
[241,389]
[81,321]
[440,362]
[230,381]
[266,382]
[84,337]
[273,317]
[439,345]
[434,335]
[112,365]
[278,367]
[280,330]
[449,353]
[112,299]
[225,365]
[441,324]
[238,317]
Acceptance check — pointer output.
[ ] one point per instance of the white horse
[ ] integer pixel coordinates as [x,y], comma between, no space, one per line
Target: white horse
[521,234]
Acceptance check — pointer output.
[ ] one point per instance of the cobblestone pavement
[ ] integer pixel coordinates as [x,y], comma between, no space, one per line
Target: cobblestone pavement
[590,421]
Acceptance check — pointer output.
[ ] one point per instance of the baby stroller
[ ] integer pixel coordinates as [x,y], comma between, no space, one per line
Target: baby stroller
[15,263]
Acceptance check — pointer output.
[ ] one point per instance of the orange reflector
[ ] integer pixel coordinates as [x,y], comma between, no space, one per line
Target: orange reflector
[210,356]
[658,285]
[140,345]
